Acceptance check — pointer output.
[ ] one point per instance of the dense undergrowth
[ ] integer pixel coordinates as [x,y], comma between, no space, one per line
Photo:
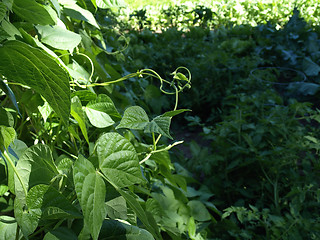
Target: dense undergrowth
[87,101]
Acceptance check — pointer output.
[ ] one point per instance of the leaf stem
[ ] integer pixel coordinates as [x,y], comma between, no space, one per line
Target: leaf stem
[160,150]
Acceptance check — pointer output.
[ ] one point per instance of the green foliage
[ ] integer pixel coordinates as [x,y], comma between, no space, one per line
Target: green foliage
[62,73]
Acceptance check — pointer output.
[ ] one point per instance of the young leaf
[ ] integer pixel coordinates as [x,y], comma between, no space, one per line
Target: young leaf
[118,160]
[91,192]
[32,12]
[134,118]
[78,114]
[114,230]
[58,37]
[30,66]
[159,125]
[47,203]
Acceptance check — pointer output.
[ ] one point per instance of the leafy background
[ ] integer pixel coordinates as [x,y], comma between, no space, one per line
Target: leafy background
[95,103]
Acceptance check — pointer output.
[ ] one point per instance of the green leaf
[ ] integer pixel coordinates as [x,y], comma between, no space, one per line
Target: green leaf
[117,208]
[30,66]
[147,220]
[60,233]
[33,12]
[91,192]
[199,211]
[192,227]
[103,103]
[58,37]
[76,12]
[6,118]
[47,203]
[110,3]
[10,94]
[99,111]
[7,136]
[56,5]
[118,160]
[114,230]
[175,112]
[134,118]
[310,67]
[98,119]
[35,166]
[45,111]
[3,11]
[159,125]
[27,221]
[8,228]
[78,114]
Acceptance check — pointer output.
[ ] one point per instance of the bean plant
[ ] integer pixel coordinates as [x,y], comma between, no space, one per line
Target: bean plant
[74,163]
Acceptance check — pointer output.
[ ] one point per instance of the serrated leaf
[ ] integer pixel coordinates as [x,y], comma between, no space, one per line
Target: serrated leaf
[117,208]
[30,66]
[58,37]
[8,228]
[118,160]
[32,12]
[134,118]
[47,203]
[114,230]
[91,192]
[35,166]
[9,93]
[78,114]
[76,12]
[159,125]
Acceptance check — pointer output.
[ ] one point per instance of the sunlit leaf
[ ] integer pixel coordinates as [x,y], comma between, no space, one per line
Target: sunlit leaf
[118,160]
[91,192]
[58,37]
[134,118]
[114,230]
[32,67]
[32,12]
